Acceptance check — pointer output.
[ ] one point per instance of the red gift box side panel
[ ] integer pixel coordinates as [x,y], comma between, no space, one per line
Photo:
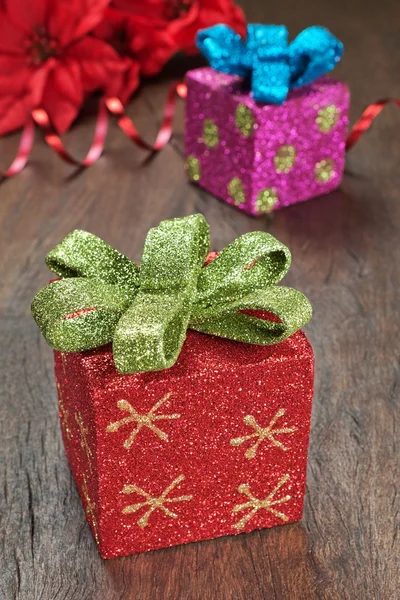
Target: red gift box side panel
[192,455]
[78,431]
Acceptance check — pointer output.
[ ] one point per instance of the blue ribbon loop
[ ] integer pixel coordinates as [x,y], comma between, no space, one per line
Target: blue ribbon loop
[273,65]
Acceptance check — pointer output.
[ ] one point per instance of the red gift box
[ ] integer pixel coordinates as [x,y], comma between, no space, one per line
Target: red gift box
[216,445]
[195,422]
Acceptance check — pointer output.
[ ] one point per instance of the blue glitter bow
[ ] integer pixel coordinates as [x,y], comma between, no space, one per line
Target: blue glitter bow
[275,67]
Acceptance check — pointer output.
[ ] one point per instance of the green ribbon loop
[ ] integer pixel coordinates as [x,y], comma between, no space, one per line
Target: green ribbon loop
[79,314]
[146,311]
[290,306]
[82,254]
[251,262]
[150,335]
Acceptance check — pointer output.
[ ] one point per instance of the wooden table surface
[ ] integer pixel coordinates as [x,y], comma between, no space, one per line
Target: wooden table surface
[346,252]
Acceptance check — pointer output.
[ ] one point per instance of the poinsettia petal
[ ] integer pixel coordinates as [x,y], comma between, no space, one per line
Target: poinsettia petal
[186,20]
[158,12]
[98,62]
[124,84]
[15,68]
[151,46]
[67,78]
[38,80]
[63,94]
[111,27]
[69,21]
[28,14]
[210,12]
[12,38]
[13,113]
[92,16]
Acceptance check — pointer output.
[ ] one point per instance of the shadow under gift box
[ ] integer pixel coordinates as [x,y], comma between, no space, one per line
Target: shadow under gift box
[261,157]
[215,445]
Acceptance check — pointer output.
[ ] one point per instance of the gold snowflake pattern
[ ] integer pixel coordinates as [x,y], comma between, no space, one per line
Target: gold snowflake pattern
[141,420]
[153,503]
[255,504]
[83,431]
[64,413]
[63,361]
[90,509]
[263,433]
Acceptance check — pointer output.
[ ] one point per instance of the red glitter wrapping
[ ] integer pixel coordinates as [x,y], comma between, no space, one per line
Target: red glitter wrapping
[193,440]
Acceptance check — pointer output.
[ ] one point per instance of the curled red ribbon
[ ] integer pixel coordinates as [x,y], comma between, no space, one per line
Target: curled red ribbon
[41,118]
[115,107]
[24,150]
[366,120]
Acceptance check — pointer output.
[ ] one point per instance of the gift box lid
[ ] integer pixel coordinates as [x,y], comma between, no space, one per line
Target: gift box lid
[238,89]
[200,353]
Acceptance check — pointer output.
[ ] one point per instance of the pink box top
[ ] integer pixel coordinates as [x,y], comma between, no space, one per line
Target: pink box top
[238,88]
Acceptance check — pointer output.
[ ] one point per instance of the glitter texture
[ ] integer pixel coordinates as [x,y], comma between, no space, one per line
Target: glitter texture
[271,64]
[255,504]
[147,319]
[260,434]
[325,171]
[266,200]
[210,133]
[153,503]
[164,457]
[251,158]
[193,167]
[284,159]
[200,476]
[82,254]
[235,191]
[327,118]
[244,120]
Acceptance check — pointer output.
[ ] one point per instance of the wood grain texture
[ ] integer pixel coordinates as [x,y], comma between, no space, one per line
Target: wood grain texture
[346,259]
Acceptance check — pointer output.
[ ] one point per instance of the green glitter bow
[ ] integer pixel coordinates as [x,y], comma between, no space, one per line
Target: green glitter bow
[104,297]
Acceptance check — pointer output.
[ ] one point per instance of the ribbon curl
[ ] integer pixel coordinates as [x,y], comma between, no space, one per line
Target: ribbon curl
[274,66]
[145,311]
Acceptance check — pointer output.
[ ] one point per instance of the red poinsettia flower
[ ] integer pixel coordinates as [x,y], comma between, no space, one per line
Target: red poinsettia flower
[201,14]
[48,59]
[140,37]
[152,31]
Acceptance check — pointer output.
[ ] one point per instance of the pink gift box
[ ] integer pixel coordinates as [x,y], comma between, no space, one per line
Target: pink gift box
[261,157]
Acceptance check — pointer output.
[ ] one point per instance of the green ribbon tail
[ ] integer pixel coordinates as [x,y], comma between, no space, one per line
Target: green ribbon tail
[78,314]
[149,336]
[291,307]
[82,254]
